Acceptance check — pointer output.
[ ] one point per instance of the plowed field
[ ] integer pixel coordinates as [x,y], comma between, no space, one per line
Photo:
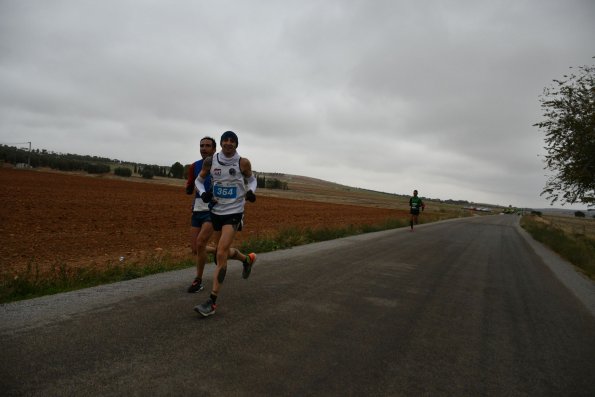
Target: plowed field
[48,218]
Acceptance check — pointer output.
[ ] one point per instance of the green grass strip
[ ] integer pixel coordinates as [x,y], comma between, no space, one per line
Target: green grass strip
[30,283]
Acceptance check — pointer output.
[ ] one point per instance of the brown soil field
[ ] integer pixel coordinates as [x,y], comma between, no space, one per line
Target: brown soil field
[49,219]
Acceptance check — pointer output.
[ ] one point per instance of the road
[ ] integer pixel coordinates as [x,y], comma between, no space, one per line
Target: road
[465,308]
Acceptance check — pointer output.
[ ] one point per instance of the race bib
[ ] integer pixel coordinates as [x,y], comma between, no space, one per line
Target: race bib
[225,192]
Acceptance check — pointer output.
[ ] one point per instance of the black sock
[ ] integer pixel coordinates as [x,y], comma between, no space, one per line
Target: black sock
[213,298]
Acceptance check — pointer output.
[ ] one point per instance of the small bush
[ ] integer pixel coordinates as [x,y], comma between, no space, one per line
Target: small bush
[123,171]
[148,173]
[92,168]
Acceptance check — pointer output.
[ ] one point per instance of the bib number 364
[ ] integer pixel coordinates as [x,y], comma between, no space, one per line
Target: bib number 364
[225,192]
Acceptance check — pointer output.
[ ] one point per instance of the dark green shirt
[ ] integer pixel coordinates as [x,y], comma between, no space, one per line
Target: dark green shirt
[415,202]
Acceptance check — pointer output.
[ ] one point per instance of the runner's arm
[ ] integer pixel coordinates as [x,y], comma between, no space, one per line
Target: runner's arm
[190,180]
[199,182]
[251,182]
[246,169]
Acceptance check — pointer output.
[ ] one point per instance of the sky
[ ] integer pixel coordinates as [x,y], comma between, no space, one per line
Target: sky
[388,95]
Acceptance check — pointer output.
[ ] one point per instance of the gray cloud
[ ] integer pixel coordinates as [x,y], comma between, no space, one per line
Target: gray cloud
[385,95]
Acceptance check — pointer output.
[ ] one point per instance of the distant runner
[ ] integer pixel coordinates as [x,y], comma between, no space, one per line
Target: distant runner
[415,203]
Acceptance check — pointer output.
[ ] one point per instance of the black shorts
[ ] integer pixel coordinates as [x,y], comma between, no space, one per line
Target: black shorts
[200,217]
[236,220]
[414,211]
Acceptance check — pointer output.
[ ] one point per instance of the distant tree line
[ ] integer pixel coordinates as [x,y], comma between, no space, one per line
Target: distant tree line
[91,164]
[102,165]
[270,183]
[149,171]
[43,158]
[450,201]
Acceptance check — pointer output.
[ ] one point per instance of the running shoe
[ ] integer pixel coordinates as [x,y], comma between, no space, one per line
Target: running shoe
[196,285]
[206,309]
[248,263]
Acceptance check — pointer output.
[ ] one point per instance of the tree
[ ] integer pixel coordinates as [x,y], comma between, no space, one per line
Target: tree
[123,171]
[569,126]
[177,170]
[579,214]
[148,173]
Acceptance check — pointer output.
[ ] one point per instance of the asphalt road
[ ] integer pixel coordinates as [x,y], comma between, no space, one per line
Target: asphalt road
[466,308]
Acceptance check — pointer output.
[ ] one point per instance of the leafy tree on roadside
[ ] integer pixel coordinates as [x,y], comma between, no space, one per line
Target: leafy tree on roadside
[569,126]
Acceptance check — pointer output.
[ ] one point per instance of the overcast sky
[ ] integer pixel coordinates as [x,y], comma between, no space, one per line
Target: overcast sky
[389,95]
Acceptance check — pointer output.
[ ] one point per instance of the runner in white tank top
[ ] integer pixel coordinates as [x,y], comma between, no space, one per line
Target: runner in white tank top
[233,184]
[201,229]
[228,184]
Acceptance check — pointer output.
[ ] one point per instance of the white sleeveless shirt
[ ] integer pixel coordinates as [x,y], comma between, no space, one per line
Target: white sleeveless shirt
[228,185]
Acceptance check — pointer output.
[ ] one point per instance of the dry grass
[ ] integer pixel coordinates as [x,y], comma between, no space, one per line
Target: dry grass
[572,225]
[571,238]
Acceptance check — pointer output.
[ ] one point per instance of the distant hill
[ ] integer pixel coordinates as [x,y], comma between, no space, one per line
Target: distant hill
[308,188]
